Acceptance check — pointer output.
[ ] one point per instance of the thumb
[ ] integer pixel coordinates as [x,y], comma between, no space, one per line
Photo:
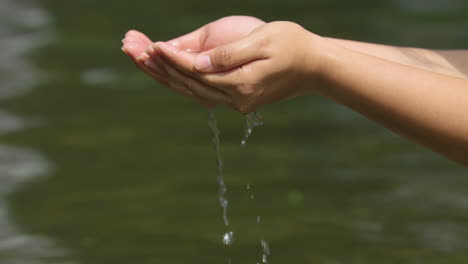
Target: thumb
[229,56]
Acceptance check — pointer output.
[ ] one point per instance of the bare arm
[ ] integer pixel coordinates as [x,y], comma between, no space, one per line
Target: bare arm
[422,98]
[420,94]
[449,62]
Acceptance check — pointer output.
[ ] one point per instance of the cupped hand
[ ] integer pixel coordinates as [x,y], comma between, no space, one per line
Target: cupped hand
[217,33]
[275,61]
[212,35]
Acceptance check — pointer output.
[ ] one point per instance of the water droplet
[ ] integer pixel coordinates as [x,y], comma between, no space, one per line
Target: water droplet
[266,248]
[223,202]
[252,120]
[228,238]
[266,251]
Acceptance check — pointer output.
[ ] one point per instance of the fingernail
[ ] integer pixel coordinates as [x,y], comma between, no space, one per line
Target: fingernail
[142,57]
[149,49]
[203,63]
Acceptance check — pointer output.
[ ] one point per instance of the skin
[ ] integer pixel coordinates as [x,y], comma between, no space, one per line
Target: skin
[417,93]
[225,30]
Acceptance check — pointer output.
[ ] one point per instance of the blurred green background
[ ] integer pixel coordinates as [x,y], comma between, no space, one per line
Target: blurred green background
[127,170]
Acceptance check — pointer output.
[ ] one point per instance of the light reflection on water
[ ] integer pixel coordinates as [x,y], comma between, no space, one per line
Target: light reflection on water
[22,29]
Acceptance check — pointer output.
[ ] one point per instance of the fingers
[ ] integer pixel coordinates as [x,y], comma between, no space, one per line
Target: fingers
[135,43]
[140,36]
[231,55]
[199,90]
[183,61]
[137,46]
[155,65]
[178,86]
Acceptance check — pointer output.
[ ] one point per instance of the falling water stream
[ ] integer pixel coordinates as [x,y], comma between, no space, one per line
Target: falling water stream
[252,120]
[213,124]
[263,243]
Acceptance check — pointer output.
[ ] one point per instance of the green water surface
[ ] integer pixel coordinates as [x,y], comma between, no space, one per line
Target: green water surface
[133,177]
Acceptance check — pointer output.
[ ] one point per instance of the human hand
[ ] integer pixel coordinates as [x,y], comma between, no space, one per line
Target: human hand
[275,61]
[214,34]
[217,33]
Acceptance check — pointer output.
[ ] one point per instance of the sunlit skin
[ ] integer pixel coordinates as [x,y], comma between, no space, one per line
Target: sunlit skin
[246,63]
[212,35]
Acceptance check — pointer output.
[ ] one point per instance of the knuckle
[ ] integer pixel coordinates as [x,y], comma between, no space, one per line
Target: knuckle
[262,41]
[222,57]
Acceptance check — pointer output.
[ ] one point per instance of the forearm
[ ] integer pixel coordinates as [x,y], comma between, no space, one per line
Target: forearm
[444,62]
[427,107]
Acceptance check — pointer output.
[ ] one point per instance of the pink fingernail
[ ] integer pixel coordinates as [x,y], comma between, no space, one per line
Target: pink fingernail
[149,49]
[203,63]
[142,57]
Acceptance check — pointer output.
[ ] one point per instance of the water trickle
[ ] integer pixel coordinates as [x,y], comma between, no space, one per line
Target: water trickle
[265,248]
[253,119]
[228,238]
[249,189]
[213,124]
[266,251]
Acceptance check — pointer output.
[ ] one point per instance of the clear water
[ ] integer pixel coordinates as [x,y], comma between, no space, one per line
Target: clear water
[223,201]
[265,251]
[252,120]
[265,248]
[228,237]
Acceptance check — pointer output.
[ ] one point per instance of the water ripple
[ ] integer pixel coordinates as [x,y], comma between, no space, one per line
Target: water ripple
[23,28]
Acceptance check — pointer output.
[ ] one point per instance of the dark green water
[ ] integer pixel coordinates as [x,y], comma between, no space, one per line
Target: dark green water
[131,173]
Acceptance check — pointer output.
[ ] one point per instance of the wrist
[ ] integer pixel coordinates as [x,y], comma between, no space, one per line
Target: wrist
[321,59]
